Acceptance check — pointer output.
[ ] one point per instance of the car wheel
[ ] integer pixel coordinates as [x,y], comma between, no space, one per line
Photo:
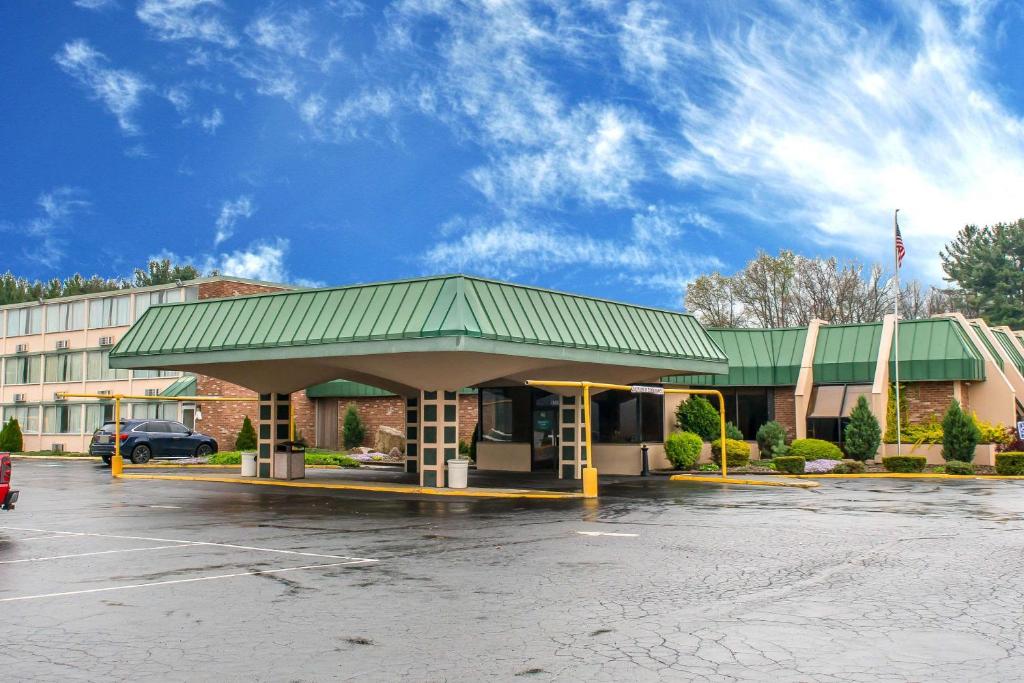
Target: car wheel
[203,451]
[106,459]
[141,454]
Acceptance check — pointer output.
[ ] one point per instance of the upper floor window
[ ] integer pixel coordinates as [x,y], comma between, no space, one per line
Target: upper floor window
[22,321]
[63,367]
[154,374]
[110,312]
[64,317]
[97,366]
[21,370]
[146,299]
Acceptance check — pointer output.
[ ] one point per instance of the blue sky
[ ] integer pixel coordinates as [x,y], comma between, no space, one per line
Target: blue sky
[613,148]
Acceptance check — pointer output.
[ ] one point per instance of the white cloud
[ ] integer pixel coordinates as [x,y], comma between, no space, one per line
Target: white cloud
[95,4]
[212,121]
[261,261]
[288,33]
[57,209]
[118,89]
[187,20]
[231,211]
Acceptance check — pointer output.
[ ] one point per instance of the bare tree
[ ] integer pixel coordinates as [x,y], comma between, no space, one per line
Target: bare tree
[767,288]
[713,300]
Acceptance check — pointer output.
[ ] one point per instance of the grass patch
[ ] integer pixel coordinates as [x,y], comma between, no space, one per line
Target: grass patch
[313,457]
[54,454]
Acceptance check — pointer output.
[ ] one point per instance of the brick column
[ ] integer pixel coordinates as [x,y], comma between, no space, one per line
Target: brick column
[412,435]
[438,434]
[274,414]
[572,444]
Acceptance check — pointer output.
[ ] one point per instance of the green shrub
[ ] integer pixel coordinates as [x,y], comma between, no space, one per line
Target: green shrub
[733,432]
[958,467]
[352,430]
[789,464]
[890,413]
[1010,463]
[683,449]
[849,466]
[815,449]
[771,439]
[697,415]
[904,463]
[246,439]
[960,435]
[863,434]
[10,437]
[464,448]
[708,467]
[737,453]
[312,458]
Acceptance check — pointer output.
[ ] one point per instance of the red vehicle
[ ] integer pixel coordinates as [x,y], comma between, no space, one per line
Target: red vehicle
[8,497]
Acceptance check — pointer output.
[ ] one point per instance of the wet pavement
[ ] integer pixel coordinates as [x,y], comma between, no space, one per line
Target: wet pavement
[867,580]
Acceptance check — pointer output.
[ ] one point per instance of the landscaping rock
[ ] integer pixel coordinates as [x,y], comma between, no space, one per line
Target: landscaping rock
[388,438]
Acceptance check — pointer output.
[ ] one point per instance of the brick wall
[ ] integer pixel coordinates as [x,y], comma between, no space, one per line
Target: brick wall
[926,399]
[226,288]
[376,411]
[223,419]
[785,409]
[468,416]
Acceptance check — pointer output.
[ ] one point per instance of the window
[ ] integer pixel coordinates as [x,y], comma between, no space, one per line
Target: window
[154,428]
[154,410]
[22,321]
[625,417]
[62,419]
[27,417]
[154,374]
[64,317]
[22,370]
[829,409]
[192,294]
[63,367]
[177,428]
[97,366]
[96,414]
[109,312]
[146,299]
[747,408]
[506,414]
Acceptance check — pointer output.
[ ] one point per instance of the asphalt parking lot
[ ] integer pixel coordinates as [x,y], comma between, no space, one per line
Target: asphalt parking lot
[869,580]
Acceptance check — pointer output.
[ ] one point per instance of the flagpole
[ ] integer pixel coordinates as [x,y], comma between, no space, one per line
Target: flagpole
[896,329]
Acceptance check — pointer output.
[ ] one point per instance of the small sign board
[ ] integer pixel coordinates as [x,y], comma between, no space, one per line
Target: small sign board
[641,389]
[1020,430]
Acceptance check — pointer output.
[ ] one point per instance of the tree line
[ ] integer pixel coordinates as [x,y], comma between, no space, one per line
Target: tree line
[16,290]
[984,268]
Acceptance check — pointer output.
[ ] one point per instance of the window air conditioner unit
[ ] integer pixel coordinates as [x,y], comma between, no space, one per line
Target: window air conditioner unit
[63,345]
[57,447]
[152,392]
[19,398]
[106,341]
[21,348]
[104,392]
[58,396]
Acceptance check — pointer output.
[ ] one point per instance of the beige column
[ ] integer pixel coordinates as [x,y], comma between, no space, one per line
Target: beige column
[1009,369]
[438,434]
[805,380]
[572,448]
[880,385]
[274,417]
[993,399]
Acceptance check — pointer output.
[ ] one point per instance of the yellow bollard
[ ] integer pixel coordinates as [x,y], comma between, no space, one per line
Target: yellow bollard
[116,466]
[590,482]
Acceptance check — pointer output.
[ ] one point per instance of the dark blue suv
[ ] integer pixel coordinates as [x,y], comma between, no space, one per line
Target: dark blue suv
[145,439]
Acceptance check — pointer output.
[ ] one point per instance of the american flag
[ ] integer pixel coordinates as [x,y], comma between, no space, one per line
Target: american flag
[900,249]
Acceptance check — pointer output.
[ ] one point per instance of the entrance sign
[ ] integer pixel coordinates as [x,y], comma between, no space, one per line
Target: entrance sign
[640,389]
[1020,430]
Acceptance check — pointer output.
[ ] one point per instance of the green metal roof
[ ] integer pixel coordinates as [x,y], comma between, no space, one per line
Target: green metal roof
[988,344]
[846,354]
[343,388]
[383,315]
[936,349]
[183,386]
[757,357]
[1011,350]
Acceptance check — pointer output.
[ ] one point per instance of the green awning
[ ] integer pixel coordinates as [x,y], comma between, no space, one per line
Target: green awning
[936,349]
[757,357]
[1015,357]
[343,388]
[846,354]
[988,345]
[183,386]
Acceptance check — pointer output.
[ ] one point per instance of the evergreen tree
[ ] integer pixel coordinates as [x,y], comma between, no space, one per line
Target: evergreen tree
[4,431]
[960,434]
[986,267]
[246,440]
[697,415]
[863,434]
[11,440]
[353,430]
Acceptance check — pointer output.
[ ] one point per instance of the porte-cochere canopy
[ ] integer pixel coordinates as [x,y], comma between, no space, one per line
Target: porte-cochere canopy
[443,332]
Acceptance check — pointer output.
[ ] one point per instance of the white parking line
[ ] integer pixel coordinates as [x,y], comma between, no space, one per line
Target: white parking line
[606,533]
[192,580]
[98,552]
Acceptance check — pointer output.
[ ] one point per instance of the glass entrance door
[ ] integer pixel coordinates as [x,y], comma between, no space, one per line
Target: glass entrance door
[545,433]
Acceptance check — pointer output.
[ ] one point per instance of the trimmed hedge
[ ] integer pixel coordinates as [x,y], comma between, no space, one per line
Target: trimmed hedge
[958,467]
[849,466]
[904,463]
[789,464]
[815,449]
[235,458]
[683,449]
[737,453]
[1010,463]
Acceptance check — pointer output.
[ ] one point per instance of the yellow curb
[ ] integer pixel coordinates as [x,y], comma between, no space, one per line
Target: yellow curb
[906,475]
[216,467]
[745,482]
[379,488]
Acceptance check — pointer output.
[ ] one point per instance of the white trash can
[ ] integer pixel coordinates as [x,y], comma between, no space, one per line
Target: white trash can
[248,463]
[458,474]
